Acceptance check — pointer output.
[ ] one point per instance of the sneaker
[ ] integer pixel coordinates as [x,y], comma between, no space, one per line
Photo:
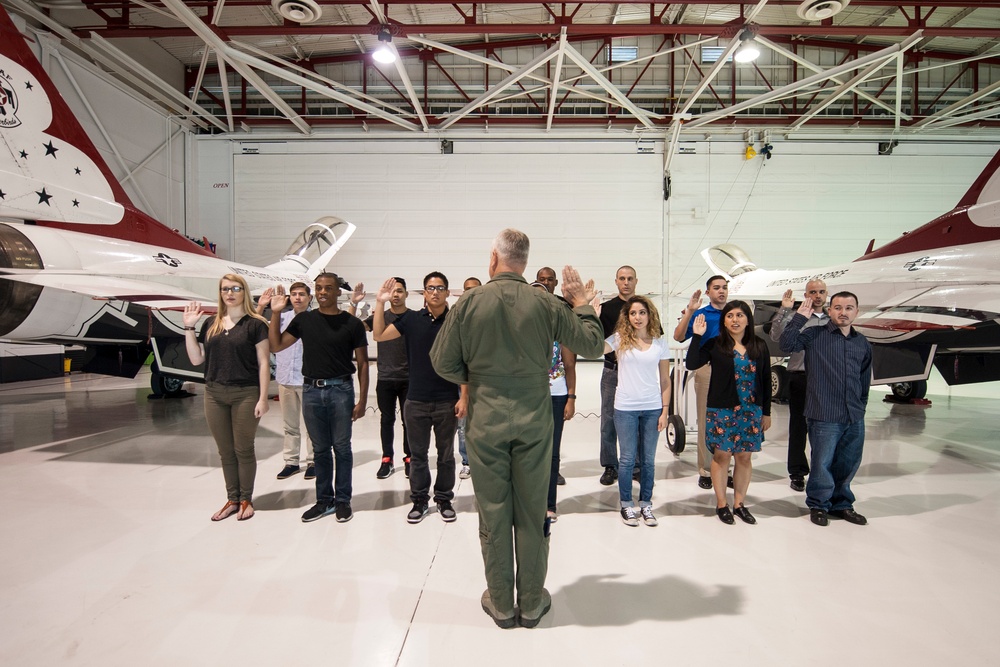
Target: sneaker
[417,514]
[647,516]
[310,472]
[729,482]
[609,476]
[551,516]
[560,480]
[385,469]
[406,467]
[797,484]
[318,511]
[446,511]
[704,482]
[628,516]
[464,473]
[344,513]
[288,471]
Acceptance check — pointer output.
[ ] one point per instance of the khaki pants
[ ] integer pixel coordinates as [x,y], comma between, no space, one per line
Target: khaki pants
[229,413]
[290,397]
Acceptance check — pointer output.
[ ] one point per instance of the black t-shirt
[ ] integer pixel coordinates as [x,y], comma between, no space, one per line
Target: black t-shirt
[231,356]
[610,310]
[392,353]
[328,342]
[419,330]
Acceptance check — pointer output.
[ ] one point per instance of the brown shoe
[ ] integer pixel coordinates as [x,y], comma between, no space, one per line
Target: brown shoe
[229,509]
[246,510]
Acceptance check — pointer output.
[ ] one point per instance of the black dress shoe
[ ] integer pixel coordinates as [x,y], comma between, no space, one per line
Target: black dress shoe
[744,514]
[609,476]
[704,481]
[729,482]
[850,516]
[797,484]
[560,480]
[818,517]
[725,516]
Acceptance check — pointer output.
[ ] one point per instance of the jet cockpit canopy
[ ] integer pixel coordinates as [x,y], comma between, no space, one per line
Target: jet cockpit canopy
[728,260]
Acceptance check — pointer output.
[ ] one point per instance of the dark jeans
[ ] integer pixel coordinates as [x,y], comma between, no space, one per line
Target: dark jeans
[327,413]
[387,394]
[836,457]
[421,417]
[558,407]
[609,438]
[798,463]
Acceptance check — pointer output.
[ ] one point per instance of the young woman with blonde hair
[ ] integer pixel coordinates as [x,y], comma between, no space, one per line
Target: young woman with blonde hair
[233,346]
[641,400]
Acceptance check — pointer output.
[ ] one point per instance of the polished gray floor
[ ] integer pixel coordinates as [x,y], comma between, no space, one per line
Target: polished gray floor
[109,557]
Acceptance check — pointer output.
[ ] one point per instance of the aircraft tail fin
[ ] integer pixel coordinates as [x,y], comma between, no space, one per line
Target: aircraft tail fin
[53,174]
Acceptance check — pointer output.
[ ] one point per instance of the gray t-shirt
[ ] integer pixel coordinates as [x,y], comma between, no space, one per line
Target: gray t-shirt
[391,362]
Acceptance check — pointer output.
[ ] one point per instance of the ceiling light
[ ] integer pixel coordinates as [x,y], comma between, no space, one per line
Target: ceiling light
[748,51]
[384,53]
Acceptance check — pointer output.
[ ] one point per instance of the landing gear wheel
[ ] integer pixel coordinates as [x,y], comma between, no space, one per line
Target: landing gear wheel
[675,434]
[166,386]
[908,391]
[779,383]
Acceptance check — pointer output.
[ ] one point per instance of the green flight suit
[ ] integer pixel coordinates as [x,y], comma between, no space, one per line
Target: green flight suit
[498,340]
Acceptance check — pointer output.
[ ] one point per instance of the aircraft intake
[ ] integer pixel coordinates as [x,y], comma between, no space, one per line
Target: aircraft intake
[17,299]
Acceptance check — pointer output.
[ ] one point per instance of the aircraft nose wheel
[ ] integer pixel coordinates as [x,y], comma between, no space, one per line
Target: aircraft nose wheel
[676,435]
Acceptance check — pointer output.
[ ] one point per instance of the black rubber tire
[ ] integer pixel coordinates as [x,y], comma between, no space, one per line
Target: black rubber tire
[779,383]
[676,436]
[907,391]
[166,385]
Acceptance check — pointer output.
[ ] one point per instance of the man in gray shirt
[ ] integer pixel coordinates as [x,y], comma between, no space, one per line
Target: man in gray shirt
[798,463]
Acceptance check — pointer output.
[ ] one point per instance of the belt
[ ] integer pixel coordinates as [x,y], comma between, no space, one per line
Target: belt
[325,382]
[613,365]
[797,372]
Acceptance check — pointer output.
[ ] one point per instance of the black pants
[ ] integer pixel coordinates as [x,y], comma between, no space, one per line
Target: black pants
[387,394]
[798,462]
[421,418]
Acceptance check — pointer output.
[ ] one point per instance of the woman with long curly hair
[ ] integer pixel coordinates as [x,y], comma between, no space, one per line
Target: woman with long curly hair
[233,346]
[641,400]
[739,401]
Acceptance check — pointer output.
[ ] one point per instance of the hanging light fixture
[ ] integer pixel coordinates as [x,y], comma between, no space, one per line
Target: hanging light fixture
[384,53]
[748,51]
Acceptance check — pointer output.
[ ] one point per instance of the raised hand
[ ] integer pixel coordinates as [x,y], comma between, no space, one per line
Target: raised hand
[573,288]
[265,300]
[385,291]
[192,313]
[806,308]
[787,299]
[358,295]
[699,327]
[278,299]
[695,302]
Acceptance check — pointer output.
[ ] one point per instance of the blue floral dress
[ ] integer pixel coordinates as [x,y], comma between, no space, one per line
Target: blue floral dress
[739,429]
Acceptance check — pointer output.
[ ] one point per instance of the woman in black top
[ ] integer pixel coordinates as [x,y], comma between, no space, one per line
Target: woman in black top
[233,346]
[739,401]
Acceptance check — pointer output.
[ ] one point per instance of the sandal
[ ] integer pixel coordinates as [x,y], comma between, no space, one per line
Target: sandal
[245,507]
[725,516]
[744,514]
[229,509]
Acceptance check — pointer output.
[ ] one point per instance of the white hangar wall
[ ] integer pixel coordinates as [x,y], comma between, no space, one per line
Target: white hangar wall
[594,203]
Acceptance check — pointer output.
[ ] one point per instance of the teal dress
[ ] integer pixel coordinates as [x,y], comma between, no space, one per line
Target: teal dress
[738,429]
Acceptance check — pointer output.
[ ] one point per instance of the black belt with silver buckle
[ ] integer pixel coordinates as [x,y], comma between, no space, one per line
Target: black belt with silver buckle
[323,382]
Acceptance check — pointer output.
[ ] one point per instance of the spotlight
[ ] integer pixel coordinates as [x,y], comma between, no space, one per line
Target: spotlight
[748,51]
[384,53]
[766,151]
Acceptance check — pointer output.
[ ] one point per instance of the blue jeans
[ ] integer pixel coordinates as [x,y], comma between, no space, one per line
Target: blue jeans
[609,439]
[558,408]
[637,433]
[327,413]
[836,457]
[461,442]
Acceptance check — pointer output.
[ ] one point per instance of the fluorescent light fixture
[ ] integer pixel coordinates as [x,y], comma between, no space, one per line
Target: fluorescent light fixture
[384,53]
[711,54]
[621,54]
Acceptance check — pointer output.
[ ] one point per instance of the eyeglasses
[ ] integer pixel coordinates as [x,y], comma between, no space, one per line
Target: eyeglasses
[435,288]
[236,289]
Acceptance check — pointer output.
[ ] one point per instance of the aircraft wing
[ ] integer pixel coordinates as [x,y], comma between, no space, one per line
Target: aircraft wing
[146,293]
[936,308]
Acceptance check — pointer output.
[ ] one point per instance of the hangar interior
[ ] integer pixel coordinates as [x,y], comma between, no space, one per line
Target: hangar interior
[612,133]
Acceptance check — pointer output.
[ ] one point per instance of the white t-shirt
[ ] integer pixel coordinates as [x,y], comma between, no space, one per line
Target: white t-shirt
[639,375]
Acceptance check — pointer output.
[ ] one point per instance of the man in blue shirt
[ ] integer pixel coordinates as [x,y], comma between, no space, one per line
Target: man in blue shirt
[839,360]
[717,289]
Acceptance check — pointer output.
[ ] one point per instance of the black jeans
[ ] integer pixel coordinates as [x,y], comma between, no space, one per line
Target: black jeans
[798,462]
[387,394]
[420,418]
[558,407]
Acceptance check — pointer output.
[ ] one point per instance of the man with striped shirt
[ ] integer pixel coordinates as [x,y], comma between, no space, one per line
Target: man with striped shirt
[839,360]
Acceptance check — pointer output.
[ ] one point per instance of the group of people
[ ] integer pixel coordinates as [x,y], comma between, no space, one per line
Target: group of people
[498,369]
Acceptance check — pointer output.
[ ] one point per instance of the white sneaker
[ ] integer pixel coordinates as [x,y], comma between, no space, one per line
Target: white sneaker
[647,516]
[465,473]
[628,516]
